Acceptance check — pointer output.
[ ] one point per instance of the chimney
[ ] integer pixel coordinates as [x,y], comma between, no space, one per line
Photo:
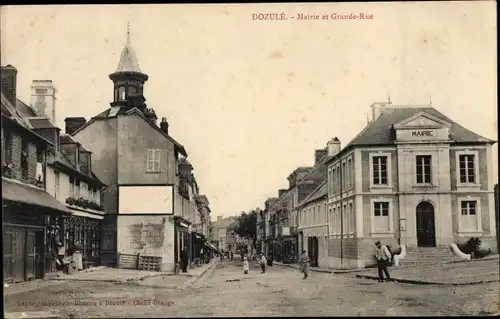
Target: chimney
[151,115]
[43,98]
[9,83]
[333,146]
[378,109]
[164,125]
[219,218]
[281,192]
[319,154]
[73,124]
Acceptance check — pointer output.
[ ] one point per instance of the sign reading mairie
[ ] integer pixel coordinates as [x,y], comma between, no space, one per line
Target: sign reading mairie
[423,133]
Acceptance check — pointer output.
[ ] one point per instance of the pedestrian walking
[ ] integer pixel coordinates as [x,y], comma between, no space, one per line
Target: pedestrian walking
[263,262]
[246,266]
[304,264]
[383,256]
[231,255]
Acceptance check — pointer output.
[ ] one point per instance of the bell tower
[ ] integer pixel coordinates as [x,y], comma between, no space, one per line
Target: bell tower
[128,79]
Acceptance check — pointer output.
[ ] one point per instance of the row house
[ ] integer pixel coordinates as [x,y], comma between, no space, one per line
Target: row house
[220,230]
[261,231]
[412,176]
[313,227]
[69,177]
[39,226]
[269,230]
[147,200]
[284,214]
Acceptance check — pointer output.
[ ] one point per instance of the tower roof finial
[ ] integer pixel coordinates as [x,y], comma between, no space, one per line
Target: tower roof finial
[389,98]
[128,32]
[430,99]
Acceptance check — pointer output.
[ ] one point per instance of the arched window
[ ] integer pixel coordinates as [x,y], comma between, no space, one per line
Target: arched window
[121,93]
[131,90]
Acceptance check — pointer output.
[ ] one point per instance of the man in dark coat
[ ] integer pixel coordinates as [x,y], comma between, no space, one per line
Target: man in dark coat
[184,260]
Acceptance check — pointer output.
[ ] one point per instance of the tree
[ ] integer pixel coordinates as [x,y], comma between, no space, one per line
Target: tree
[247,225]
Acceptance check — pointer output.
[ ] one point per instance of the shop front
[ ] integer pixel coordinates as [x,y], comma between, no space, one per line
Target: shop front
[31,231]
[182,240]
[82,233]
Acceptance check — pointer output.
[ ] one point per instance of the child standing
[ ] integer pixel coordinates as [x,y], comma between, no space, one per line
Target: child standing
[246,266]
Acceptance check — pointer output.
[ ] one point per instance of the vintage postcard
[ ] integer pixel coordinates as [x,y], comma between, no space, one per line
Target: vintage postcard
[265,159]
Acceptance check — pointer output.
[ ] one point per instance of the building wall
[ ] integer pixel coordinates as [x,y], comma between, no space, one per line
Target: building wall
[135,137]
[101,137]
[148,235]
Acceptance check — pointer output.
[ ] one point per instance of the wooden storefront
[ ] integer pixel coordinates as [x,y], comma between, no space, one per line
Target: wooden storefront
[30,240]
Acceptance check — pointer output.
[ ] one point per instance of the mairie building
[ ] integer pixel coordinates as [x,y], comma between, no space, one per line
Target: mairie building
[412,176]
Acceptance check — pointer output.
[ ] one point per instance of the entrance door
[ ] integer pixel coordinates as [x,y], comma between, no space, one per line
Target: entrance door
[18,255]
[30,255]
[426,232]
[315,254]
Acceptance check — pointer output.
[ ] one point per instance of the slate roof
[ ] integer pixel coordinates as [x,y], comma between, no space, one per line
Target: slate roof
[319,192]
[185,162]
[41,123]
[66,139]
[380,132]
[25,109]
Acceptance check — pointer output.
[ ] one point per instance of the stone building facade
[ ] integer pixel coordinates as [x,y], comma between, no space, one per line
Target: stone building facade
[412,176]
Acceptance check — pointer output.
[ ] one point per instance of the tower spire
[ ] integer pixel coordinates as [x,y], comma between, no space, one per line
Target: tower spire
[128,32]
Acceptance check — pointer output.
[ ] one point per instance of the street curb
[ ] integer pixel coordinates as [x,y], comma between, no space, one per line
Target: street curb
[421,282]
[325,271]
[194,278]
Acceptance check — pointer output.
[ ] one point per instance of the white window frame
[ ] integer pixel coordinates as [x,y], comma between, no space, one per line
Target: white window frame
[153,158]
[461,229]
[476,168]
[345,223]
[351,216]
[72,187]
[433,164]
[57,185]
[378,233]
[339,216]
[389,169]
[339,181]
[350,173]
[343,177]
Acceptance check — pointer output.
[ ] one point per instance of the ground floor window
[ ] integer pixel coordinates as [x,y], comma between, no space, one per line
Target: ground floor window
[469,220]
[381,216]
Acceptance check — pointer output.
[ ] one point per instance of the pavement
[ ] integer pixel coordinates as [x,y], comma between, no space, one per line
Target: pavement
[320,269]
[471,272]
[224,290]
[117,275]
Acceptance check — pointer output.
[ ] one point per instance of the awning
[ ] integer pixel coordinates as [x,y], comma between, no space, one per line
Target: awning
[81,213]
[23,193]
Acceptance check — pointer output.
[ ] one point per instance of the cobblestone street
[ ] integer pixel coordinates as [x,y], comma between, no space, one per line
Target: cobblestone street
[226,291]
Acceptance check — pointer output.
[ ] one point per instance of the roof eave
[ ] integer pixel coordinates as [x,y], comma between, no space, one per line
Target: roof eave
[28,130]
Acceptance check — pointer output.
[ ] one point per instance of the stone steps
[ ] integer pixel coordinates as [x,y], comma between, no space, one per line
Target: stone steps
[416,256]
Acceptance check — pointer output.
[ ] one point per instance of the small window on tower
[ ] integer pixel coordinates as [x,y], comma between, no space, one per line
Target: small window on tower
[131,90]
[121,93]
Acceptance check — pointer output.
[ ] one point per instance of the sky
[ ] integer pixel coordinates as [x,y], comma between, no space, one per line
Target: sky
[251,100]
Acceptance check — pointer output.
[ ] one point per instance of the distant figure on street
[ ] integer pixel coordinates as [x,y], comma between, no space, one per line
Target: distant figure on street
[304,264]
[231,255]
[263,262]
[383,256]
[246,266]
[184,260]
